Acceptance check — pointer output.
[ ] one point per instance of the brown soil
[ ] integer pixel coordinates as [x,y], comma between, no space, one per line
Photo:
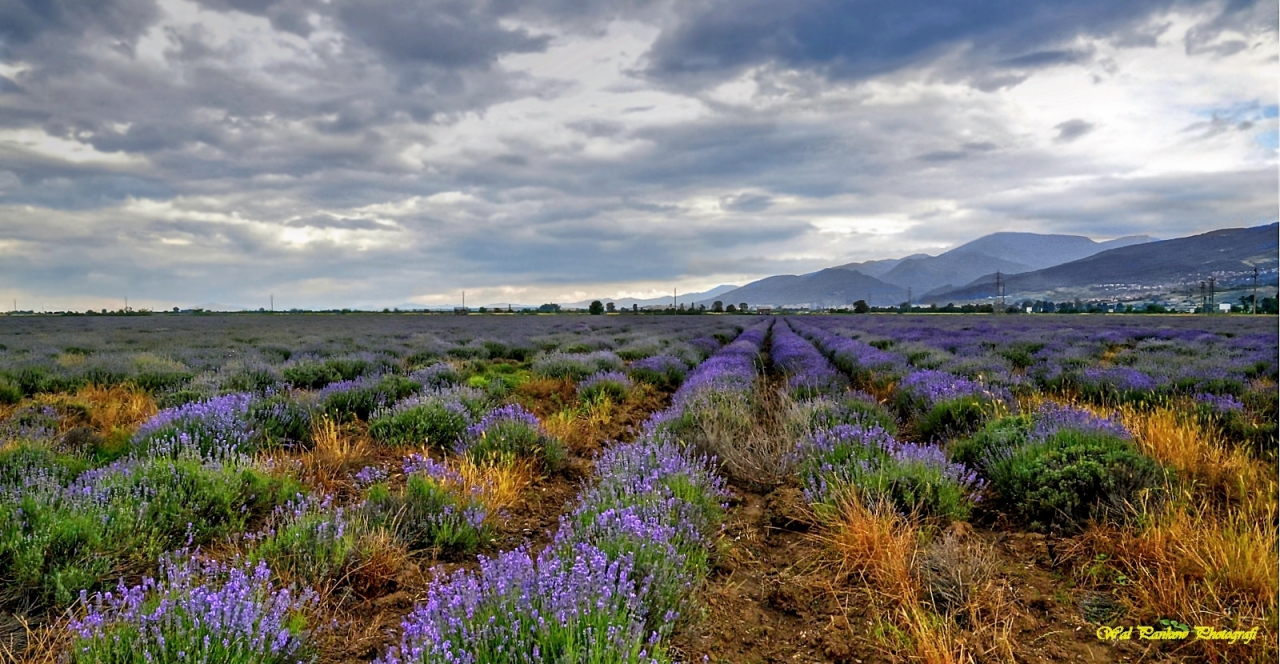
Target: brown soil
[771,598]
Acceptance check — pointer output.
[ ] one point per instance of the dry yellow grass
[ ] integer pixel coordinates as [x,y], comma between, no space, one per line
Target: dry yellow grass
[1206,556]
[106,409]
[1203,565]
[336,451]
[1195,451]
[499,485]
[880,550]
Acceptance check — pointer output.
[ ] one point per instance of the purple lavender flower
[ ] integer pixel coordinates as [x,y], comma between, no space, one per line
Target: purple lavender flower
[368,476]
[1222,403]
[1051,418]
[30,423]
[195,611]
[219,423]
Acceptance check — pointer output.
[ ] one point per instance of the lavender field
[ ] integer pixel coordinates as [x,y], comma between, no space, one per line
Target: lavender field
[723,488]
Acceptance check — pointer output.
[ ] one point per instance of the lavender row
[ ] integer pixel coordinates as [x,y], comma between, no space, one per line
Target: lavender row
[620,570]
[808,372]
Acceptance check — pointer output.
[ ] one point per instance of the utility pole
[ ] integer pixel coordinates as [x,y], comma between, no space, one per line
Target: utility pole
[999,294]
[1255,290]
[1204,299]
[126,304]
[464,299]
[1213,305]
[273,303]
[674,304]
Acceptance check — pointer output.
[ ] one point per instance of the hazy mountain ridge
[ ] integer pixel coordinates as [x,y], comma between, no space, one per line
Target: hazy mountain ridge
[1226,253]
[886,282]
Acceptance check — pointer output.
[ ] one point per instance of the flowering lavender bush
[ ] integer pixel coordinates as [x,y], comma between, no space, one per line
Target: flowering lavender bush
[575,366]
[216,424]
[866,459]
[807,417]
[1219,403]
[437,418]
[809,374]
[436,376]
[307,538]
[195,611]
[30,423]
[1000,437]
[511,432]
[360,397]
[436,508]
[612,384]
[863,363]
[62,532]
[658,505]
[663,371]
[578,609]
[280,419]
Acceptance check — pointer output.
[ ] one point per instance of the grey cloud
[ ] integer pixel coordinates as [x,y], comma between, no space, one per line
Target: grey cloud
[745,203]
[1072,129]
[451,33]
[1046,59]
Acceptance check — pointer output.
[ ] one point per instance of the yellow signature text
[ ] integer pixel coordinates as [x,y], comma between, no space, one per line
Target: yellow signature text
[1201,633]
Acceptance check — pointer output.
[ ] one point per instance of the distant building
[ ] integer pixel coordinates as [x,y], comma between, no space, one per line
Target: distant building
[460,311]
[764,310]
[1224,308]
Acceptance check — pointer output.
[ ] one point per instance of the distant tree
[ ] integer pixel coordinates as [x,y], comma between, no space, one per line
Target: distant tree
[860,307]
[483,310]
[718,306]
[549,308]
[731,308]
[742,306]
[609,307]
[635,307]
[596,308]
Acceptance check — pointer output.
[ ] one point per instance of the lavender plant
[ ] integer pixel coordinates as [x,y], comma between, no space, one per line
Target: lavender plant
[809,374]
[913,478]
[62,531]
[663,371]
[437,418]
[436,509]
[584,608]
[215,424]
[195,611]
[612,384]
[307,538]
[511,432]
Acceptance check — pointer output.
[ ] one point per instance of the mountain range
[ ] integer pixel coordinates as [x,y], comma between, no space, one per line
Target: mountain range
[1229,255]
[1028,263]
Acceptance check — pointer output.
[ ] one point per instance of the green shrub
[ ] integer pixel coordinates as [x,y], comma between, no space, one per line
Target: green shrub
[996,438]
[10,393]
[952,418]
[1072,477]
[310,375]
[427,514]
[61,536]
[432,420]
[279,419]
[308,540]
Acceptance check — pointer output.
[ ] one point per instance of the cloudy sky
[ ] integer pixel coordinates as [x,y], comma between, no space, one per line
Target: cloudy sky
[383,152]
